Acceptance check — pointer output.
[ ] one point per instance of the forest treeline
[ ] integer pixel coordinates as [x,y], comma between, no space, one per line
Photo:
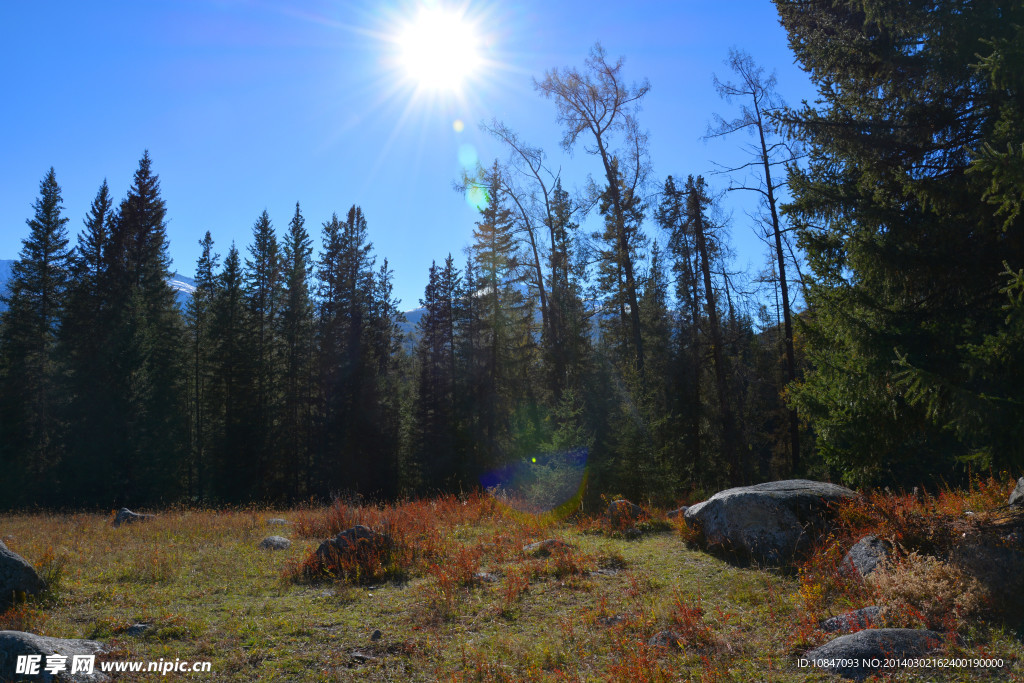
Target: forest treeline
[885,346]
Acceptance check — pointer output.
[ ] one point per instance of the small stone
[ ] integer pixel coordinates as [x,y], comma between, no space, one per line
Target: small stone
[664,639]
[376,635]
[614,620]
[126,516]
[277,521]
[546,547]
[275,543]
[485,577]
[137,629]
[672,514]
[363,657]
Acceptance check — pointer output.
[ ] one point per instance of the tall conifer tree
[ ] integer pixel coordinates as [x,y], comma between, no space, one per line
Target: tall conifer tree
[29,424]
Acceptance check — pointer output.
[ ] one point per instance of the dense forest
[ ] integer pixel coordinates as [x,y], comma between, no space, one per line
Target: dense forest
[884,347]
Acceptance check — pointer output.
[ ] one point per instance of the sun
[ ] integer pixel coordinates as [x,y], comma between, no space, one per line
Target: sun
[439,50]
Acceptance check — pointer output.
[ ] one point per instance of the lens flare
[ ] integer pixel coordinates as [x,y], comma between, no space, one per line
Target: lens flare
[477,197]
[547,483]
[458,126]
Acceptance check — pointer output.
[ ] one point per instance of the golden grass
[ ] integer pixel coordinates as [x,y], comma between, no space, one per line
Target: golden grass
[206,591]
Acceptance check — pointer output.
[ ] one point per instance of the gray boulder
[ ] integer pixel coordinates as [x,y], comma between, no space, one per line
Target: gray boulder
[672,514]
[623,513]
[546,547]
[856,650]
[768,522]
[14,643]
[126,516]
[1017,497]
[866,555]
[866,617]
[17,577]
[275,543]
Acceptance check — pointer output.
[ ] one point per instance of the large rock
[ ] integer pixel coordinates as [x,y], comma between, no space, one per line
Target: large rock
[622,513]
[14,643]
[866,555]
[359,544]
[126,516]
[768,522]
[1017,497]
[850,655]
[17,577]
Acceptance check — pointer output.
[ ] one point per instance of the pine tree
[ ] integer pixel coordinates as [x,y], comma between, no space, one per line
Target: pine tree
[296,331]
[688,362]
[231,407]
[262,297]
[907,254]
[82,354]
[143,343]
[697,202]
[199,314]
[435,389]
[502,355]
[29,407]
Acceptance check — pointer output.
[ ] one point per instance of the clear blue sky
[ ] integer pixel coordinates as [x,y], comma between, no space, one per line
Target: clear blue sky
[247,105]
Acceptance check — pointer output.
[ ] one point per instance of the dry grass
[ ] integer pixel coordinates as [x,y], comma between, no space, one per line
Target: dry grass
[584,613]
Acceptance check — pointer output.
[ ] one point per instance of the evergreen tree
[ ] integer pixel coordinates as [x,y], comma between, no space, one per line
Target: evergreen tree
[231,408]
[199,314]
[697,202]
[358,342]
[296,331]
[262,298]
[82,355]
[143,336]
[435,390]
[908,256]
[503,354]
[29,407]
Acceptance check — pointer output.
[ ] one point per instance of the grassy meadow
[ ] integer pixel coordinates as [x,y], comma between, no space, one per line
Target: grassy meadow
[459,600]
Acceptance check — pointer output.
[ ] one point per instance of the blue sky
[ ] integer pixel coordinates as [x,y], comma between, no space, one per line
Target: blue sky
[251,105]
